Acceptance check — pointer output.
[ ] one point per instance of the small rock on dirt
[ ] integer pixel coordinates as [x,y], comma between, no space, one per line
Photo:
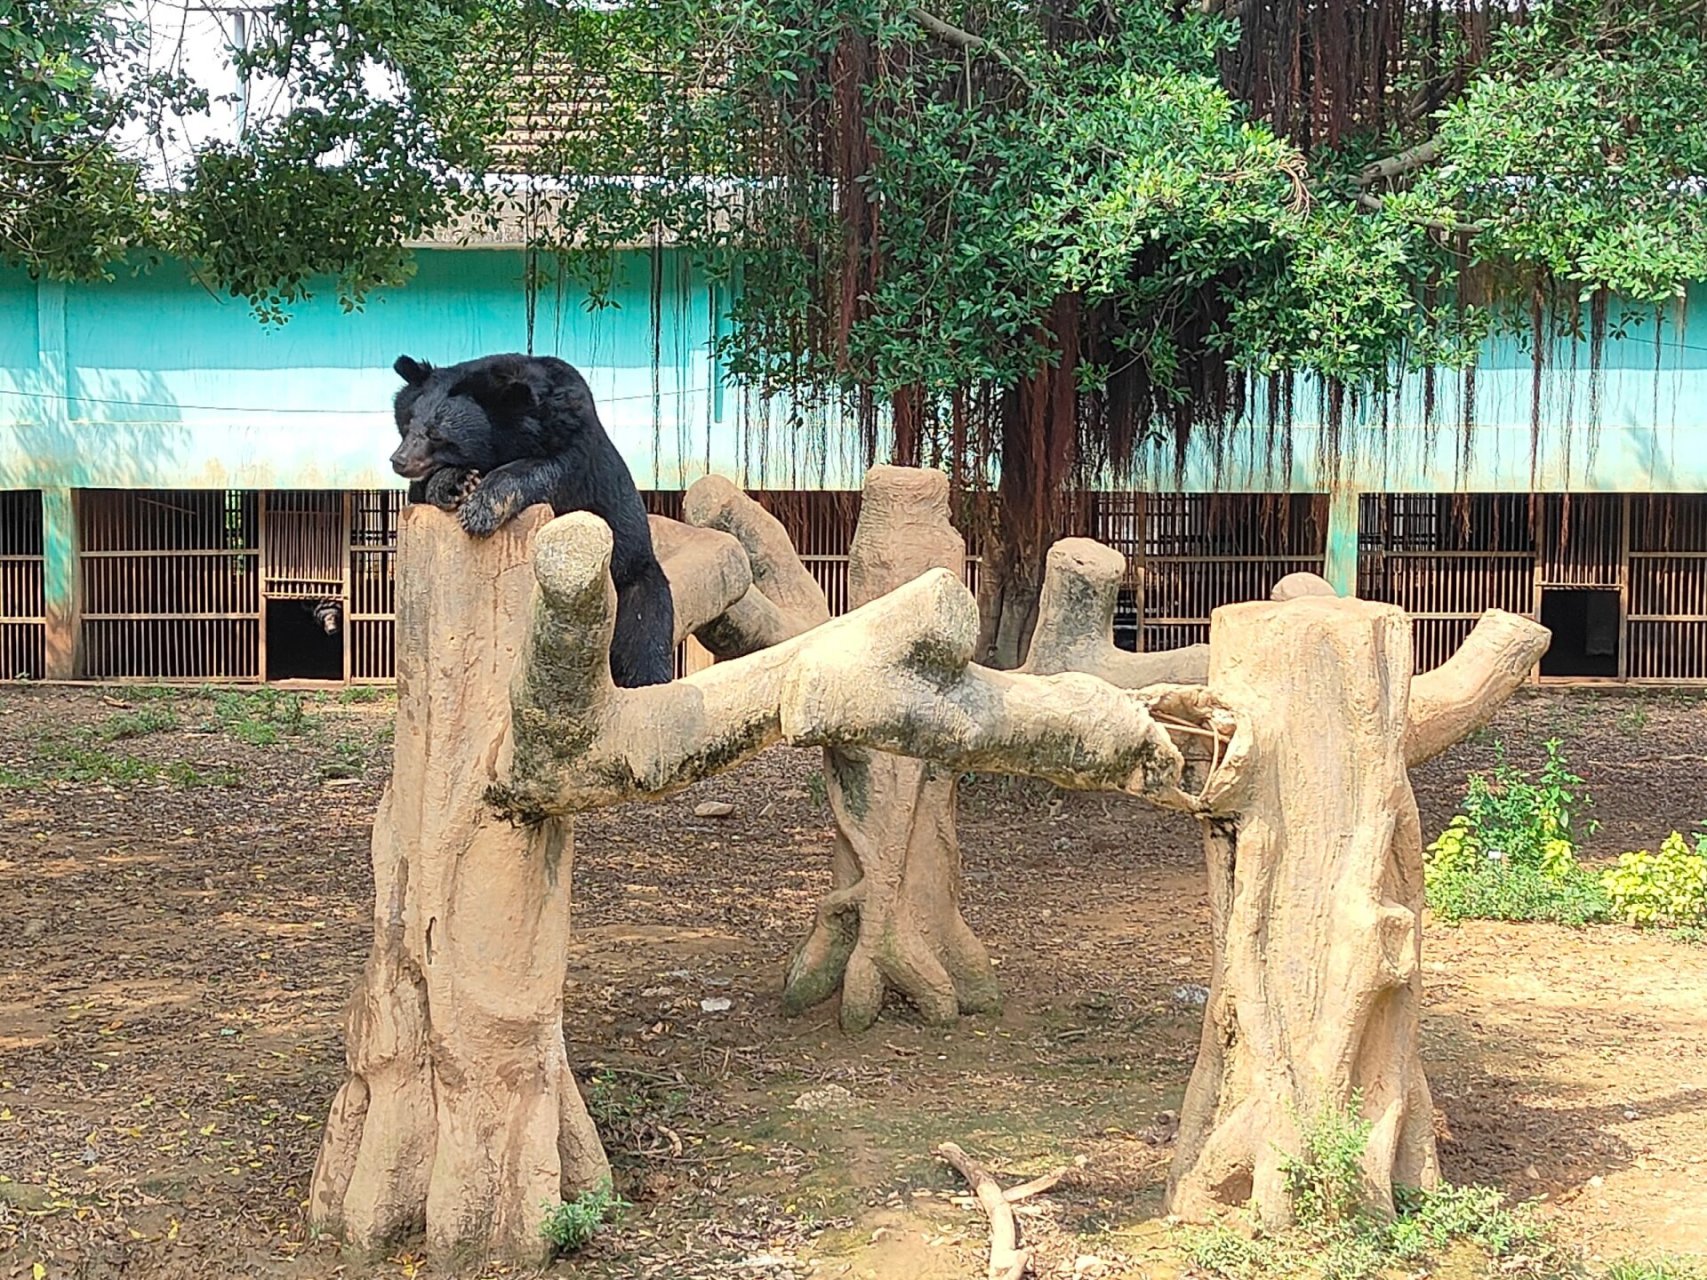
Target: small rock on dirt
[716,1004]
[713,809]
[1192,995]
[832,1097]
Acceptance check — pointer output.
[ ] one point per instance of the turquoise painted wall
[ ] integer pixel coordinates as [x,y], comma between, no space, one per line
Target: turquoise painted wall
[1638,425]
[152,381]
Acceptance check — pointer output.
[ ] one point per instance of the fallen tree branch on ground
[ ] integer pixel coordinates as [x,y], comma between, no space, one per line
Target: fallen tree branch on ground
[1007,1260]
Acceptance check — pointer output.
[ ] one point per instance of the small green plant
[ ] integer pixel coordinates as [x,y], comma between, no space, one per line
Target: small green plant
[816,788]
[1667,888]
[361,693]
[262,717]
[571,1224]
[1510,853]
[1656,1269]
[184,774]
[349,760]
[73,762]
[153,718]
[1335,1237]
[1326,1177]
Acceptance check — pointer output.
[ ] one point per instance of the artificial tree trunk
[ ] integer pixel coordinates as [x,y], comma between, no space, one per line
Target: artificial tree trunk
[782,599]
[460,1113]
[892,921]
[1075,624]
[895,675]
[1316,890]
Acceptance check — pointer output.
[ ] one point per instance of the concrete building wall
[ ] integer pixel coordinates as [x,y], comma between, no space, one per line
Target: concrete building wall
[152,382]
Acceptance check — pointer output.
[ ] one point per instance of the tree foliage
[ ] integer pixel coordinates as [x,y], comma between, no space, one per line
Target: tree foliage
[1025,234]
[100,162]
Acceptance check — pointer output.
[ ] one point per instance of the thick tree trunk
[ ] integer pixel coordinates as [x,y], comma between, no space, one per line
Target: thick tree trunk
[892,920]
[460,1113]
[1316,892]
[1010,588]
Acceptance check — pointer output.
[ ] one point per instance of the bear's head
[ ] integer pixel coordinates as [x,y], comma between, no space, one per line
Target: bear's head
[441,425]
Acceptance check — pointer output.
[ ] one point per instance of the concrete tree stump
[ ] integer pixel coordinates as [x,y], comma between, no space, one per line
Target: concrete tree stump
[892,920]
[782,599]
[1075,624]
[1316,889]
[460,1114]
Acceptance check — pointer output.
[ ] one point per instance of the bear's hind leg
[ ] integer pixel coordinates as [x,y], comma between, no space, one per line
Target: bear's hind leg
[643,647]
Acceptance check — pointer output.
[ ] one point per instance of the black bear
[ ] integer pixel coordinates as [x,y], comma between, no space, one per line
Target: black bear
[489,438]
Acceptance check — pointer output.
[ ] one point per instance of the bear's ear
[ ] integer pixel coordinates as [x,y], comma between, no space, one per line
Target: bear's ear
[411,370]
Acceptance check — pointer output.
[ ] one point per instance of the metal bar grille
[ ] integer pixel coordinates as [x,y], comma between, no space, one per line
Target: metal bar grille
[1446,559]
[305,543]
[23,625]
[1667,624]
[171,584]
[1189,554]
[372,585]
[1581,540]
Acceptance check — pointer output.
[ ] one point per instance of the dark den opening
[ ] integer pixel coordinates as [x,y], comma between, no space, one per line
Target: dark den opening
[1584,624]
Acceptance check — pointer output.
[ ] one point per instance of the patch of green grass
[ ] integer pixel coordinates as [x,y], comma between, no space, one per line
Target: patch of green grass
[144,694]
[262,717]
[362,693]
[572,1223]
[1521,893]
[154,717]
[15,780]
[349,760]
[73,760]
[1335,1236]
[1656,1269]
[1510,852]
[184,774]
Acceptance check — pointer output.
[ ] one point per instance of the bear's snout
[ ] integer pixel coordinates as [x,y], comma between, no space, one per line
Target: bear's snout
[411,461]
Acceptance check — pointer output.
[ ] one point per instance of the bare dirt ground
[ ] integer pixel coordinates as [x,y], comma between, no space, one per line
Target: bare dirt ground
[184,899]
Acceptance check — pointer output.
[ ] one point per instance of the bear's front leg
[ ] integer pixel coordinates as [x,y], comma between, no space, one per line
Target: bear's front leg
[447,488]
[498,497]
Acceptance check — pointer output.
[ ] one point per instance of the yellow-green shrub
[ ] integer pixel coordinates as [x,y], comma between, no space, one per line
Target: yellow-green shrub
[1664,888]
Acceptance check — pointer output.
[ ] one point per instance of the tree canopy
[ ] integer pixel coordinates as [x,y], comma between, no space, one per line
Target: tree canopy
[1029,234]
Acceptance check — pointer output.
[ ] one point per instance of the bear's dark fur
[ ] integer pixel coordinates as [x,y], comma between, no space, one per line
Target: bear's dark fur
[489,438]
